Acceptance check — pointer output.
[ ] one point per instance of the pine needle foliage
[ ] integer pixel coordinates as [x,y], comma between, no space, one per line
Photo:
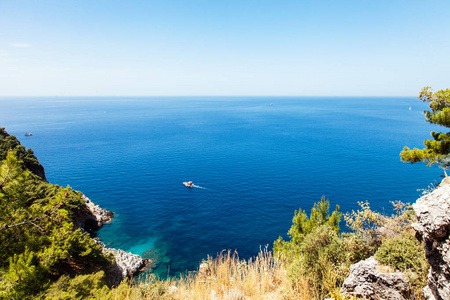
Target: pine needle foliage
[436,150]
[304,225]
[314,249]
[37,234]
[89,286]
[30,161]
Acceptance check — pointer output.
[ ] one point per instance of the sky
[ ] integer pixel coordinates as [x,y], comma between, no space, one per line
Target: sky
[242,47]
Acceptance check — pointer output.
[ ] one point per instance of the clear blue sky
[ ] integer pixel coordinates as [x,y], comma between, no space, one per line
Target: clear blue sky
[170,47]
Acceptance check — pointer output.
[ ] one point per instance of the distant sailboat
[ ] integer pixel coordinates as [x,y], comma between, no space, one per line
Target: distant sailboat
[410,108]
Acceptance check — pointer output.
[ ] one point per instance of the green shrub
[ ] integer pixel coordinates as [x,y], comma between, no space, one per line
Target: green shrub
[401,253]
[405,253]
[322,261]
[373,228]
[88,286]
[315,249]
[303,225]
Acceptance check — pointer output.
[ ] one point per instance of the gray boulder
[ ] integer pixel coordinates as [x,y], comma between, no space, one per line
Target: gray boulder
[367,282]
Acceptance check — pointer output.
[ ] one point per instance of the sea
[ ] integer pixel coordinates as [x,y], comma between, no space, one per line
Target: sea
[253,162]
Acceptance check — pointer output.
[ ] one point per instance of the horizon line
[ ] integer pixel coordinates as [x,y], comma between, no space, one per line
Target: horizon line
[147,96]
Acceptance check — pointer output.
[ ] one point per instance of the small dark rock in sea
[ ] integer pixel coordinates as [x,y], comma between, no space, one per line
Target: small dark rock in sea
[151,254]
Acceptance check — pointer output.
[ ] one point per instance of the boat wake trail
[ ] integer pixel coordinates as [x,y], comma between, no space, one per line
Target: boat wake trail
[199,187]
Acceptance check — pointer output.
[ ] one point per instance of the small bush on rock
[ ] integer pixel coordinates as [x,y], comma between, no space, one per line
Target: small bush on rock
[402,253]
[405,253]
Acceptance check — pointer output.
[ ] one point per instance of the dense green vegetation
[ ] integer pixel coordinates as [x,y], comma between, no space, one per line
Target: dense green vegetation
[39,240]
[437,150]
[30,162]
[318,253]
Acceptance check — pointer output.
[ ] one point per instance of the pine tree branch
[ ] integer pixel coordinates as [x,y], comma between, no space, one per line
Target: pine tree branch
[26,222]
[31,221]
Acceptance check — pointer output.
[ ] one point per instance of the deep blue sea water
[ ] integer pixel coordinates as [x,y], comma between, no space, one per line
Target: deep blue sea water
[254,163]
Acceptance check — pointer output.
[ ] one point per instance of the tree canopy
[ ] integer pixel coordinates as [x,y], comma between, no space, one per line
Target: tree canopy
[436,150]
[30,161]
[40,242]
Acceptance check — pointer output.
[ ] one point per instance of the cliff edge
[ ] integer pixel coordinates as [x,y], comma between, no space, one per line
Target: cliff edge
[433,228]
[30,161]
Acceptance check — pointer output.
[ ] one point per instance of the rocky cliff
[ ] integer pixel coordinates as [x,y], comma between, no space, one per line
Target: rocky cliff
[92,217]
[433,227]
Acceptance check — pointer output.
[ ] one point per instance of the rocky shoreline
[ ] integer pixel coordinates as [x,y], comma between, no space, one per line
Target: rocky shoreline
[92,217]
[126,264]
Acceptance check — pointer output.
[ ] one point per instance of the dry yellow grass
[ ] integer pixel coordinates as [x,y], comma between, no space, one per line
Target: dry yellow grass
[224,277]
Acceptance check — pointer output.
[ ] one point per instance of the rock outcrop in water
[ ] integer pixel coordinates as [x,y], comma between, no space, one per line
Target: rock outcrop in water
[368,282]
[433,227]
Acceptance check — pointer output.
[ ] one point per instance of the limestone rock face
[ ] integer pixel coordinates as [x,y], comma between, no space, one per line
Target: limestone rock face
[126,264]
[433,227]
[366,281]
[93,217]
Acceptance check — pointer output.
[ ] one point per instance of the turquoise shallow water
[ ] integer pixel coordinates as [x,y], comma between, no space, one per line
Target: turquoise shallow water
[254,163]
